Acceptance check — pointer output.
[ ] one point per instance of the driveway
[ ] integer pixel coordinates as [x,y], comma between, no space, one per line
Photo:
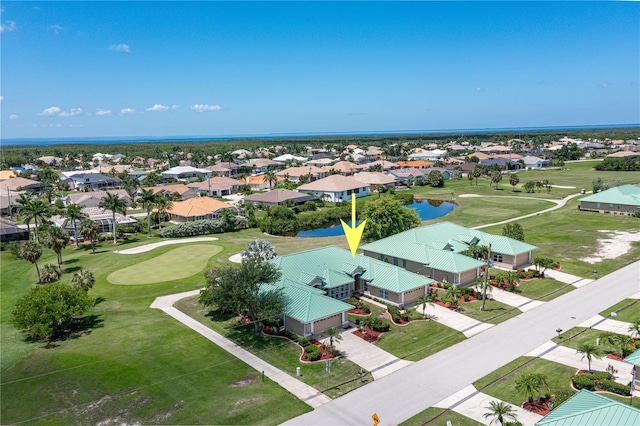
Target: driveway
[467,325]
[378,362]
[607,324]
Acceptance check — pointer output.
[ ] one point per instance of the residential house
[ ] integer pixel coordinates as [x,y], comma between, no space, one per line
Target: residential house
[315,281]
[376,178]
[7,174]
[624,199]
[322,162]
[93,198]
[21,184]
[261,165]
[291,158]
[198,208]
[503,163]
[257,183]
[224,168]
[532,162]
[278,197]
[102,217]
[91,181]
[345,168]
[433,155]
[8,202]
[186,173]
[10,231]
[175,192]
[434,251]
[336,188]
[496,149]
[408,176]
[415,164]
[50,160]
[218,186]
[447,174]
[624,154]
[295,173]
[591,408]
[634,360]
[386,165]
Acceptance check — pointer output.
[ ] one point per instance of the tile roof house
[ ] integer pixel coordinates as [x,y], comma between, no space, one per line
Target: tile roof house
[186,173]
[278,197]
[434,251]
[345,168]
[216,186]
[91,181]
[416,164]
[102,217]
[174,191]
[261,165]
[198,208]
[624,199]
[224,168]
[294,173]
[7,174]
[532,162]
[93,198]
[587,408]
[386,165]
[376,178]
[337,188]
[315,281]
[20,183]
[407,176]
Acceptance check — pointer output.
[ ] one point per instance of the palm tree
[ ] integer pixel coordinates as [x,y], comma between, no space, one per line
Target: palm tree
[513,181]
[270,178]
[366,322]
[33,209]
[334,335]
[589,351]
[50,273]
[31,252]
[529,385]
[424,300]
[259,250]
[56,239]
[22,204]
[498,410]
[148,200]
[84,279]
[162,206]
[618,341]
[74,214]
[634,328]
[116,205]
[90,231]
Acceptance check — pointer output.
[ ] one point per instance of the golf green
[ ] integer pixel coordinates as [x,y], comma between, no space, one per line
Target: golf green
[176,264]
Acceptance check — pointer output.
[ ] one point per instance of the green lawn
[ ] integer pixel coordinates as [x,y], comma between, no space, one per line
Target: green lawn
[628,310]
[544,290]
[168,266]
[279,352]
[579,335]
[418,339]
[439,416]
[495,312]
[501,383]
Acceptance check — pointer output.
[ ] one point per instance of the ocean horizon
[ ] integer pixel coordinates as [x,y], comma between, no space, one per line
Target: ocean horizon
[114,140]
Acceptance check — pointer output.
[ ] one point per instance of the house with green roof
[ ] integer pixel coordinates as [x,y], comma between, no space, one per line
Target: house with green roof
[315,282]
[624,199]
[434,251]
[587,408]
[634,359]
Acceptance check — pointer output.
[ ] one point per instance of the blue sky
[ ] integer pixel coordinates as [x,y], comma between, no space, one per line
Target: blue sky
[76,69]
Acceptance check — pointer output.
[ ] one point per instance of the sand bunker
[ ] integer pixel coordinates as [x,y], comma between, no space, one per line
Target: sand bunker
[618,244]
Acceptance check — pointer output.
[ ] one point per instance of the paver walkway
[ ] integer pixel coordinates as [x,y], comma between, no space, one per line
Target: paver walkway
[467,325]
[377,361]
[607,324]
[303,391]
[515,300]
[567,356]
[149,247]
[471,403]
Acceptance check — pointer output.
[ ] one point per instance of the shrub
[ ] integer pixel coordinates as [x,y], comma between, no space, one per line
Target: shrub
[303,341]
[404,198]
[583,381]
[601,375]
[380,325]
[353,301]
[291,335]
[365,308]
[611,386]
[394,311]
[312,352]
[200,227]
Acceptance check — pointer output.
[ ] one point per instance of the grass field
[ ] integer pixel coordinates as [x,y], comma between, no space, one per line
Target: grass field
[439,416]
[495,312]
[167,266]
[544,290]
[628,310]
[579,335]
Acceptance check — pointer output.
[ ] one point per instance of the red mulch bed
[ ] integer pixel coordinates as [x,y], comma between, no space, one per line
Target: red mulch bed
[537,406]
[616,357]
[437,302]
[324,354]
[356,311]
[371,336]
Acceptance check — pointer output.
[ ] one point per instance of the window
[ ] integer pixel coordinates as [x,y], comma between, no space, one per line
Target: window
[395,261]
[404,263]
[384,294]
[497,257]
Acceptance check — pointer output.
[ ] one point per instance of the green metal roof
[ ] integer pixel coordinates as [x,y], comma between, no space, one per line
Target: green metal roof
[624,194]
[591,409]
[634,358]
[437,245]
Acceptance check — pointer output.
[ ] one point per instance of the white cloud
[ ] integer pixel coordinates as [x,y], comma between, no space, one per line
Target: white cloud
[13,117]
[51,111]
[101,111]
[127,111]
[604,85]
[174,106]
[204,107]
[71,113]
[478,89]
[120,48]
[8,26]
[55,28]
[157,108]
[1,98]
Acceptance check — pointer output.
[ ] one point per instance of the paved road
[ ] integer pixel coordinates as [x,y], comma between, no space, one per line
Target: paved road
[416,387]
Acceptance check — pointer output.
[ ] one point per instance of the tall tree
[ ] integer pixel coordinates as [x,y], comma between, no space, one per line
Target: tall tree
[618,341]
[116,205]
[477,172]
[270,178]
[435,178]
[496,177]
[634,328]
[424,301]
[162,206]
[513,230]
[34,210]
[84,279]
[513,181]
[148,200]
[74,213]
[50,273]
[90,231]
[589,351]
[56,239]
[259,250]
[334,336]
[498,411]
[527,385]
[238,289]
[385,217]
[31,252]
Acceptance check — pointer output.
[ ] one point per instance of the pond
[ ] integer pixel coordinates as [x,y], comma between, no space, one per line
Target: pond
[426,209]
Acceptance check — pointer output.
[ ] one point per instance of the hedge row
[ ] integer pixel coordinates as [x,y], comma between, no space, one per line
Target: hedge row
[601,380]
[202,227]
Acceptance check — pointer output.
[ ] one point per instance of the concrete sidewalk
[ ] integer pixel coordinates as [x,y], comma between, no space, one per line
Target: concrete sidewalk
[378,362]
[607,324]
[515,300]
[472,403]
[563,277]
[468,326]
[567,356]
[306,393]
